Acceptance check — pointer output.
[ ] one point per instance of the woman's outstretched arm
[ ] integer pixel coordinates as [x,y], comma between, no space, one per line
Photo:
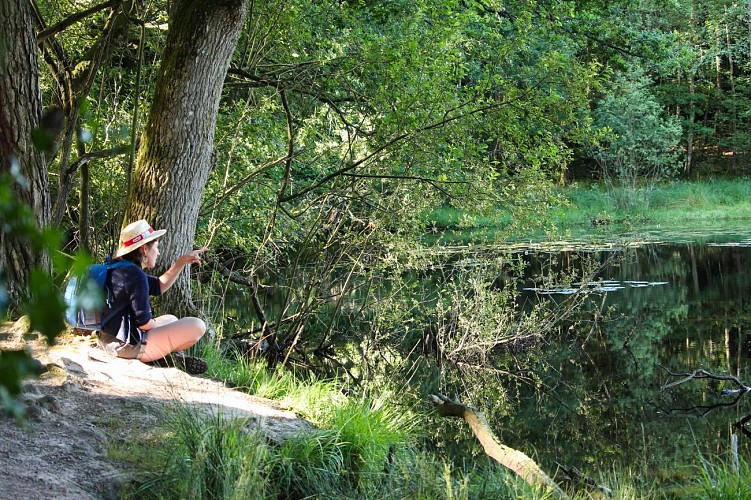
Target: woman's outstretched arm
[170,275]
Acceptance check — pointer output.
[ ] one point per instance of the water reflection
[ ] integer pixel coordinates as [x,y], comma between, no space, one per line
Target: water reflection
[589,395]
[666,308]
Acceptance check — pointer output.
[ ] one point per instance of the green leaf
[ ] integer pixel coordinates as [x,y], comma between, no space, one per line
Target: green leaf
[45,307]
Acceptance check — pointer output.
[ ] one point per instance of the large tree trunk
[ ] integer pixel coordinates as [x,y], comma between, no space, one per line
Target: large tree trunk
[176,148]
[20,114]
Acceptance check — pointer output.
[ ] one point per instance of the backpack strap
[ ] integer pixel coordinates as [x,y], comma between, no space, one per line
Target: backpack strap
[113,265]
[112,314]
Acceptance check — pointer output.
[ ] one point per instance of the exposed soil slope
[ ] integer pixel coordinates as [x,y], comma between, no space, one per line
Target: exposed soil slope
[84,398]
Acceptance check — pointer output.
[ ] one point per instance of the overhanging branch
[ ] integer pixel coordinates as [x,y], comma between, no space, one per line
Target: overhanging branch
[448,118]
[72,19]
[739,392]
[91,155]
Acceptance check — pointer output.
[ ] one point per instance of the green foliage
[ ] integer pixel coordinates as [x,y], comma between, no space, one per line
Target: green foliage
[642,142]
[43,305]
[452,128]
[14,367]
[210,457]
[478,312]
[724,480]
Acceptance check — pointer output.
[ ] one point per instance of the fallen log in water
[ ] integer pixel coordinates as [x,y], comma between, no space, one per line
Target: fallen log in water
[515,460]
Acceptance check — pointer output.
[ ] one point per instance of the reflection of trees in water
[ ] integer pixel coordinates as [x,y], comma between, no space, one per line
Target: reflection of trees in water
[595,376]
[577,390]
[716,392]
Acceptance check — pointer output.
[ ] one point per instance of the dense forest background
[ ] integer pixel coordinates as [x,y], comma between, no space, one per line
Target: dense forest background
[305,142]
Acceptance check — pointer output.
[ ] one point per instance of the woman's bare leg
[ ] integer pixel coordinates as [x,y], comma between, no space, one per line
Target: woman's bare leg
[172,336]
[165,319]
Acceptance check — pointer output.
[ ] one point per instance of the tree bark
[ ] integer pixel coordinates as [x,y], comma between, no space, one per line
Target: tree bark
[174,159]
[515,460]
[20,115]
[691,124]
[734,100]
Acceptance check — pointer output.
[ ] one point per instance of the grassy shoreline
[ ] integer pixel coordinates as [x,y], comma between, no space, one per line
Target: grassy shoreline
[679,204]
[360,447]
[363,448]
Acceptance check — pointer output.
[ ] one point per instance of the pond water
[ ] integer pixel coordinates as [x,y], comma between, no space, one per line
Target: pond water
[660,307]
[664,303]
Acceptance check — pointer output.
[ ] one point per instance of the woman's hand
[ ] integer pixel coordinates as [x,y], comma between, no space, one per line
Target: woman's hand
[167,279]
[193,257]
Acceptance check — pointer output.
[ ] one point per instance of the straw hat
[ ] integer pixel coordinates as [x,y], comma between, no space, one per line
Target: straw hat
[136,235]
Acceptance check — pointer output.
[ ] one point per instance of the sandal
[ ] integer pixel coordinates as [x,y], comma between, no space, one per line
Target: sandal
[180,360]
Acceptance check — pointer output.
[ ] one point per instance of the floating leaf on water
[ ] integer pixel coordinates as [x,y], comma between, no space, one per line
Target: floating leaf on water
[637,284]
[598,283]
[561,291]
[552,291]
[608,288]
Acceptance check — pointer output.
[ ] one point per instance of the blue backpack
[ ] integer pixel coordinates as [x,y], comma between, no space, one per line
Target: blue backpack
[88,299]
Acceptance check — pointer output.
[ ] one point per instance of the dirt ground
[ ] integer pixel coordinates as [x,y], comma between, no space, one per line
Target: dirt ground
[61,450]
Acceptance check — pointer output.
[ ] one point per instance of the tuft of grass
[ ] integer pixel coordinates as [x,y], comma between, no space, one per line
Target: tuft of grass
[312,465]
[209,457]
[240,373]
[309,395]
[720,479]
[134,449]
[370,431]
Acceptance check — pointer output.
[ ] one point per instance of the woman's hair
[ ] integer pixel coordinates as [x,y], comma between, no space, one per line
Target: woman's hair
[136,256]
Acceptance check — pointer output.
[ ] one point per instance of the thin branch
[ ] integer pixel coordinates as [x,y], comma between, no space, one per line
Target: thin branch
[433,182]
[72,19]
[219,199]
[290,144]
[241,280]
[448,118]
[741,424]
[91,155]
[276,81]
[701,374]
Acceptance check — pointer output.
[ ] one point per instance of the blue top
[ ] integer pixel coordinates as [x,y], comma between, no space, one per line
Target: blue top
[130,285]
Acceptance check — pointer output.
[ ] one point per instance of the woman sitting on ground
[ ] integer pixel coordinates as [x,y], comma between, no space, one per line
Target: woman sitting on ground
[135,333]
